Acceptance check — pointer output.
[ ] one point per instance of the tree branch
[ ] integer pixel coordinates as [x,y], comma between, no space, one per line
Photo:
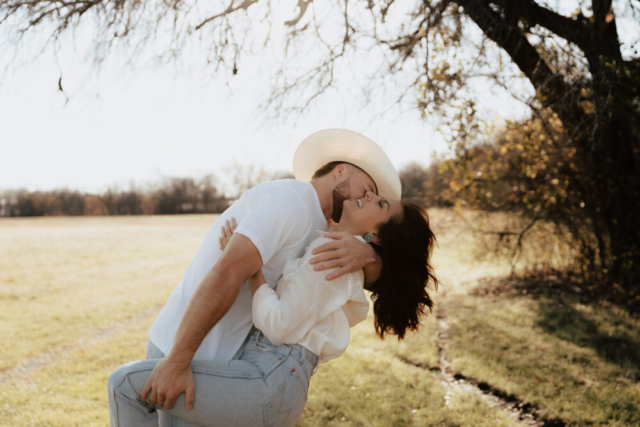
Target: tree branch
[572,30]
[595,37]
[601,9]
[505,33]
[606,29]
[302,5]
[229,10]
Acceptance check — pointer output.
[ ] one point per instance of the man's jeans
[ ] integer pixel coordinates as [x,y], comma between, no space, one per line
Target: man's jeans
[266,386]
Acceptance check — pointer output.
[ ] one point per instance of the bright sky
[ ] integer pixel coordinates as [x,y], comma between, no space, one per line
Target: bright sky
[127,125]
[141,125]
[124,125]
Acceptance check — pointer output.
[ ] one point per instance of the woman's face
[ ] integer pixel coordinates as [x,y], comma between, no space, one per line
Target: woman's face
[364,215]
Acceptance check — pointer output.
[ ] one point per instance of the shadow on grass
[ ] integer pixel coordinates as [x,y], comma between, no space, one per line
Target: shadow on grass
[595,327]
[575,357]
[577,315]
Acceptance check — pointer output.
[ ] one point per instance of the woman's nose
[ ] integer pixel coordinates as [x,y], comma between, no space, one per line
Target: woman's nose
[371,196]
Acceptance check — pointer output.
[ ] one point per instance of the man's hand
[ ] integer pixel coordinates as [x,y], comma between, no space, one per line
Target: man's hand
[167,381]
[344,251]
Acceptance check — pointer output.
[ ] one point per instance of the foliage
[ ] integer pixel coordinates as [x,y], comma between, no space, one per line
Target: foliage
[173,196]
[528,168]
[39,203]
[567,65]
[425,187]
[128,202]
[532,168]
[185,195]
[576,161]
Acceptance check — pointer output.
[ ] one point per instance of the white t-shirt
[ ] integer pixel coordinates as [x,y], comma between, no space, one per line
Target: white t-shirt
[309,310]
[279,217]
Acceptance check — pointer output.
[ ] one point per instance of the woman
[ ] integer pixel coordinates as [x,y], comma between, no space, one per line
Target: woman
[307,321]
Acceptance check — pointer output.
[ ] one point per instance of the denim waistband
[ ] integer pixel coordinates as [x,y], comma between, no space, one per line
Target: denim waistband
[304,353]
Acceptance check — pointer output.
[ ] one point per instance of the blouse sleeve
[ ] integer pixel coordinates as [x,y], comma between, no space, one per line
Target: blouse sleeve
[305,298]
[357,308]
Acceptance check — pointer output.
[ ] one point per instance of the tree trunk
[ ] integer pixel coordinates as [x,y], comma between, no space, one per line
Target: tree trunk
[607,140]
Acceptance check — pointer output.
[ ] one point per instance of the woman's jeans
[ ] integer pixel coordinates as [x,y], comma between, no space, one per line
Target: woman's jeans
[265,385]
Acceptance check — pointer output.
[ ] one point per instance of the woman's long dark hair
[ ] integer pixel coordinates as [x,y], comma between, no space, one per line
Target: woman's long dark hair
[400,294]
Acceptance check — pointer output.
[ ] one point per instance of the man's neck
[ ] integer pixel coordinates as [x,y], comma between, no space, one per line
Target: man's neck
[322,186]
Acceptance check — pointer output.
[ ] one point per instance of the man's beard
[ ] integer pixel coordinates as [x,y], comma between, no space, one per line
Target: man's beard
[339,194]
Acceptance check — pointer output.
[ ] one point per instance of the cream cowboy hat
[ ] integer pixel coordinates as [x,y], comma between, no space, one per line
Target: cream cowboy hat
[331,145]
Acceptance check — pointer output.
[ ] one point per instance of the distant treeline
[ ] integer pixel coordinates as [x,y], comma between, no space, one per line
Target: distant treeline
[427,187]
[186,195]
[172,196]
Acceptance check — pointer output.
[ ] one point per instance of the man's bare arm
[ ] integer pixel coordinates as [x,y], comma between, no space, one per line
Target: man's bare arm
[211,300]
[348,253]
[215,295]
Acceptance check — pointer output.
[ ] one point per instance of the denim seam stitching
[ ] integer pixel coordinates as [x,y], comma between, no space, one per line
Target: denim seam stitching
[304,391]
[267,403]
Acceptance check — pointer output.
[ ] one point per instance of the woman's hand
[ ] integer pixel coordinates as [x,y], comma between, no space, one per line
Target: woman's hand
[226,232]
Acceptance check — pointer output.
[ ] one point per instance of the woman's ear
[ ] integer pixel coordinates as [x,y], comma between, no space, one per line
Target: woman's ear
[375,239]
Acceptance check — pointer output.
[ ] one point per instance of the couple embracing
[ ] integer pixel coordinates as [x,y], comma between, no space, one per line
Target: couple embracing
[256,311]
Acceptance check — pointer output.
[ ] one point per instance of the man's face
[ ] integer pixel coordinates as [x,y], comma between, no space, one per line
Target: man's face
[354,186]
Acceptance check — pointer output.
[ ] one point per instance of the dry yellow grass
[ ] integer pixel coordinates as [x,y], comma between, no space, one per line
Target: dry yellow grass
[63,280]
[78,296]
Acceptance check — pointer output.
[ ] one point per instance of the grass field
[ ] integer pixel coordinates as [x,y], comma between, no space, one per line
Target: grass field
[77,296]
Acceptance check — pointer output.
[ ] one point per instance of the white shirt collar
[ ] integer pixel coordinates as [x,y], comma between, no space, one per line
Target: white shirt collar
[322,233]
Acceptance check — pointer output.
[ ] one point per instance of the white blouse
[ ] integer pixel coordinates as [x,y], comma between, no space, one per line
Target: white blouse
[309,310]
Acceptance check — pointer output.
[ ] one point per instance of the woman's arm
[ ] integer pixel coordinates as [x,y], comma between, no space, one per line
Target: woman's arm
[308,297]
[256,281]
[304,297]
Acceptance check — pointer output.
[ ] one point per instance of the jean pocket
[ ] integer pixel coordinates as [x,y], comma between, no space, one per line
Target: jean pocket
[285,407]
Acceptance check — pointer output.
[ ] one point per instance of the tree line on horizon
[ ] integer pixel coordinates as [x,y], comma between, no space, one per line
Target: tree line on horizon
[187,195]
[175,195]
[169,196]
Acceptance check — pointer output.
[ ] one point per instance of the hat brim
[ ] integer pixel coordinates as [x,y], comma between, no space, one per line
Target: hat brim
[331,145]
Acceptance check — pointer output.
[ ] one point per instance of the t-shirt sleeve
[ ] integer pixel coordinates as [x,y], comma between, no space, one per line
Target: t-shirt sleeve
[274,219]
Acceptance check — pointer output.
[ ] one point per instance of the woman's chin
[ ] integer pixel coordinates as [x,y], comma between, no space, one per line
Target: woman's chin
[347,213]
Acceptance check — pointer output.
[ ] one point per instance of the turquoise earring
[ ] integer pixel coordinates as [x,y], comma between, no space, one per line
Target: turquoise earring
[368,238]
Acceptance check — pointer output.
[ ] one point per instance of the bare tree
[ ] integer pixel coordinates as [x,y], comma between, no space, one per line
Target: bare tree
[564,64]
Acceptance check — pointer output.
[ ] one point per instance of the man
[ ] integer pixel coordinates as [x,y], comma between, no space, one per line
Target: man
[208,316]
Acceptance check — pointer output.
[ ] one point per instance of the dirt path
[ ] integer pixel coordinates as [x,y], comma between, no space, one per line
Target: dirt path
[24,370]
[451,381]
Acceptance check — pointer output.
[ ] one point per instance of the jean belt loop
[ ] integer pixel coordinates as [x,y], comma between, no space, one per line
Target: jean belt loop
[315,368]
[303,353]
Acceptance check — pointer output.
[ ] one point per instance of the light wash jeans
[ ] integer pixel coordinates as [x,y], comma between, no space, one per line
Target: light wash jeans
[265,385]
